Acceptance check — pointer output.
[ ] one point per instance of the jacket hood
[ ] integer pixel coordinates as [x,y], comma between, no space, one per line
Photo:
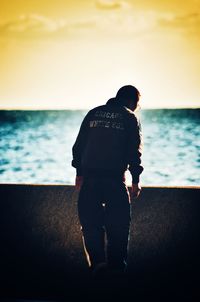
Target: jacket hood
[112,101]
[115,102]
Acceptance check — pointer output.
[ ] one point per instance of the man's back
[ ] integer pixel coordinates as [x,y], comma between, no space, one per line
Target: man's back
[107,134]
[107,140]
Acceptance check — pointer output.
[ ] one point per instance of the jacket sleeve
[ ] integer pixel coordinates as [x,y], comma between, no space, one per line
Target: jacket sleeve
[135,149]
[79,145]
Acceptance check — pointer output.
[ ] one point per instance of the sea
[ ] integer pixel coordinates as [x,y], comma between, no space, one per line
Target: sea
[36,146]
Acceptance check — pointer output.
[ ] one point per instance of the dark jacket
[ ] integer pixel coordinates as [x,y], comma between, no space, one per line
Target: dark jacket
[108,143]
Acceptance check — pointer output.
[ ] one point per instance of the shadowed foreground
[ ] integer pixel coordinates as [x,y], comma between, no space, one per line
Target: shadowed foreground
[41,255]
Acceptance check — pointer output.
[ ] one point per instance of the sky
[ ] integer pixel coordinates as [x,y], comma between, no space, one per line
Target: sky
[61,54]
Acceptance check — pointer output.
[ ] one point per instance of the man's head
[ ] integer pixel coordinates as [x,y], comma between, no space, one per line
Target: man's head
[128,96]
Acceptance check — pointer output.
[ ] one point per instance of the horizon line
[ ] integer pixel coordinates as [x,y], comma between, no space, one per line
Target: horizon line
[85,109]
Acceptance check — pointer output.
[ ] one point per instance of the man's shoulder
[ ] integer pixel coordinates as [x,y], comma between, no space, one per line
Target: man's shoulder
[97,108]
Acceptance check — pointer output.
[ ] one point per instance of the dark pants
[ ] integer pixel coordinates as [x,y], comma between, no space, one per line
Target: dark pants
[104,214]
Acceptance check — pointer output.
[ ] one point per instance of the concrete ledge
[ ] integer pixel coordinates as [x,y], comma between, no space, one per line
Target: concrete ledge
[41,253]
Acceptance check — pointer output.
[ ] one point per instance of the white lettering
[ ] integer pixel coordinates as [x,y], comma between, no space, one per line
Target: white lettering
[109,115]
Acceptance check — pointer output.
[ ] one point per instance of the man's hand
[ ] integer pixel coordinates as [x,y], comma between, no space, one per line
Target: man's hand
[135,190]
[78,182]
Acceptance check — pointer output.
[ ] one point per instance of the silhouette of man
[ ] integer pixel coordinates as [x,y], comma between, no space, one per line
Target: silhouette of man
[108,143]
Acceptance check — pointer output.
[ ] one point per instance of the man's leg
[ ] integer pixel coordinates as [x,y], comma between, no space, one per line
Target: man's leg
[117,217]
[91,216]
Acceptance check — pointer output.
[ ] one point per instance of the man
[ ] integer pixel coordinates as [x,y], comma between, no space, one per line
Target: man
[108,143]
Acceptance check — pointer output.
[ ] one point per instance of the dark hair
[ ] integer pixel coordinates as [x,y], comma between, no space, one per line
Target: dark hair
[127,94]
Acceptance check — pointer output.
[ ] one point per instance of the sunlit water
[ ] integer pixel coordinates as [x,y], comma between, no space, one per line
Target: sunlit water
[35,146]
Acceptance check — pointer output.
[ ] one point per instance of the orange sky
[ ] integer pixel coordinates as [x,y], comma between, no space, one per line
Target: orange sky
[76,54]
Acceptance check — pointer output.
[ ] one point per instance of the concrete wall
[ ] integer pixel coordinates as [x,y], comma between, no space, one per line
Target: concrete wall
[41,239]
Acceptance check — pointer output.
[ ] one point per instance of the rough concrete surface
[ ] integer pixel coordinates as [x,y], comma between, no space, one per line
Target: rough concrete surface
[41,254]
